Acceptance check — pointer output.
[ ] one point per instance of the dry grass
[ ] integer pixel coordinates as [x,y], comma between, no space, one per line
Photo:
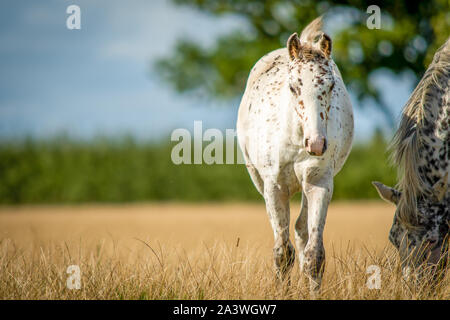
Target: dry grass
[179,251]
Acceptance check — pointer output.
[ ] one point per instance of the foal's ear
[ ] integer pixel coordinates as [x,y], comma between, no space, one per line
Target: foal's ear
[440,187]
[324,44]
[387,193]
[293,46]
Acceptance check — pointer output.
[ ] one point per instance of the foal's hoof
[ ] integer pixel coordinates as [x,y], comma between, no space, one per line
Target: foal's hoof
[284,258]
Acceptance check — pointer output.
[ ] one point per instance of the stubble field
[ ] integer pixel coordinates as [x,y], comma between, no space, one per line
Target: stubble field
[191,251]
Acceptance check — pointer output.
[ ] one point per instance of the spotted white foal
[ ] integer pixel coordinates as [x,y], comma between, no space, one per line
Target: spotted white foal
[295,128]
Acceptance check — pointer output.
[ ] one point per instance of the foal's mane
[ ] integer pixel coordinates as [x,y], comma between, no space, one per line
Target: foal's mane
[309,41]
[312,30]
[409,136]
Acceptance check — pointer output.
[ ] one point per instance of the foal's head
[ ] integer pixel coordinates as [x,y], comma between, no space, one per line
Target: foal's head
[311,82]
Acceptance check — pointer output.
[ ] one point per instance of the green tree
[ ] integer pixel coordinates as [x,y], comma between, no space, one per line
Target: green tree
[410,33]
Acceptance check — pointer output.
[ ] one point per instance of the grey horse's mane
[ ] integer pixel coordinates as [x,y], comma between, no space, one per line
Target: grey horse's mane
[409,136]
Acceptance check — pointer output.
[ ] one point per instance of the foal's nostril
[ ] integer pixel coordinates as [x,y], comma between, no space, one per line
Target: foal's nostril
[306,142]
[325,146]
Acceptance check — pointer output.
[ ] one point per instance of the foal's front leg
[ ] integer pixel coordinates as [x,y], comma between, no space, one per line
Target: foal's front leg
[319,195]
[301,231]
[277,205]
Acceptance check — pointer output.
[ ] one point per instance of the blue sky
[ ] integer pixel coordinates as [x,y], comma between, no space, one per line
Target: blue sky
[99,80]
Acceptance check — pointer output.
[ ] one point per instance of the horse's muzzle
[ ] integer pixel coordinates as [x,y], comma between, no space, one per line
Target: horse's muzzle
[316,146]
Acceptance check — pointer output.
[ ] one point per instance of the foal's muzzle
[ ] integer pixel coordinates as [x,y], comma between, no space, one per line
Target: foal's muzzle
[316,146]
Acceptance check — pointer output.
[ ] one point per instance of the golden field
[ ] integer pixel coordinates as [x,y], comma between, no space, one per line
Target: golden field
[191,251]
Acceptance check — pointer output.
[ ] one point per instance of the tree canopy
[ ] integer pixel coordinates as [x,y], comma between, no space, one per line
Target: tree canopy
[410,33]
